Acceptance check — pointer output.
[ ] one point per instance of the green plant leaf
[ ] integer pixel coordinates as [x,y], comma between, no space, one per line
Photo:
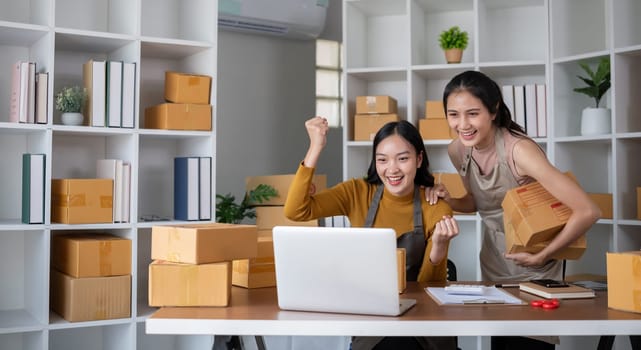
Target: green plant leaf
[228,211]
[598,82]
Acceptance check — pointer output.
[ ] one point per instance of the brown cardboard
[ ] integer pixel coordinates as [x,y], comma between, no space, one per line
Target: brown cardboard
[639,203]
[281,184]
[367,125]
[91,255]
[177,284]
[453,182]
[624,280]
[257,272]
[434,110]
[178,116]
[187,88]
[434,129]
[90,298]
[375,104]
[604,202]
[269,216]
[400,262]
[514,245]
[81,201]
[203,243]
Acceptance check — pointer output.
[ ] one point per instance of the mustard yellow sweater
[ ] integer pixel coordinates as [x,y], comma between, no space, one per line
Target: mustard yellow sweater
[352,199]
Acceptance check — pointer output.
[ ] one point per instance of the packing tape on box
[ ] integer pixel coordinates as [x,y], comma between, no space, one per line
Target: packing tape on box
[371,102]
[191,275]
[193,80]
[104,258]
[106,201]
[172,240]
[74,200]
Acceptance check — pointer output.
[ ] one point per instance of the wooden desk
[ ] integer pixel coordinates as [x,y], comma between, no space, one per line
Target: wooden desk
[256,312]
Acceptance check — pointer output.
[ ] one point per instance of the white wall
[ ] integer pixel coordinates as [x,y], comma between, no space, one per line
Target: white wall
[266,91]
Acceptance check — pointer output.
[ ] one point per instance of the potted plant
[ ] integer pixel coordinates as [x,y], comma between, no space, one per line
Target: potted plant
[595,120]
[228,211]
[70,101]
[453,41]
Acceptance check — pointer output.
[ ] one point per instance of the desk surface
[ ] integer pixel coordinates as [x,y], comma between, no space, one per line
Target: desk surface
[256,312]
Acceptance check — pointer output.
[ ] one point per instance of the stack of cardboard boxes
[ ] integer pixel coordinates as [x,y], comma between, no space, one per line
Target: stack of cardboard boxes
[261,271]
[434,126]
[372,112]
[188,105]
[90,276]
[192,263]
[532,217]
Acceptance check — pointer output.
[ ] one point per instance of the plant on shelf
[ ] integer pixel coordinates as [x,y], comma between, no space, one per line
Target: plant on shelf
[595,120]
[453,41]
[228,211]
[70,101]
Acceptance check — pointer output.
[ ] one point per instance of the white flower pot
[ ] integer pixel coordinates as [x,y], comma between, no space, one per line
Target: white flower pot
[72,118]
[595,121]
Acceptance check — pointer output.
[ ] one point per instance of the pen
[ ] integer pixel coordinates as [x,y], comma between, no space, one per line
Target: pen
[506,285]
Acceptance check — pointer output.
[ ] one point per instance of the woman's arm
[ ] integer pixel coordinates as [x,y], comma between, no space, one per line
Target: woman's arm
[531,161]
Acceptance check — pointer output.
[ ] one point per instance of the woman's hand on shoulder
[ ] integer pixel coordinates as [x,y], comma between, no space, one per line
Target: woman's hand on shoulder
[444,230]
[432,194]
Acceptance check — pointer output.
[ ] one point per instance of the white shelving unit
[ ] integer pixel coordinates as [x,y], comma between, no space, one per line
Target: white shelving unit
[391,48]
[60,35]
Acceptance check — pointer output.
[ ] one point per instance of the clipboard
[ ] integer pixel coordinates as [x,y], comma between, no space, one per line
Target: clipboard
[491,296]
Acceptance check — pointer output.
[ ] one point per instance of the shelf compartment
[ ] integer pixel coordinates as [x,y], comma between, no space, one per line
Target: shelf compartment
[628,177]
[578,27]
[463,251]
[111,16]
[589,161]
[627,27]
[142,265]
[503,25]
[627,66]
[30,11]
[23,341]
[600,240]
[106,337]
[431,17]
[568,105]
[628,238]
[24,260]
[146,341]
[179,19]
[377,33]
[428,84]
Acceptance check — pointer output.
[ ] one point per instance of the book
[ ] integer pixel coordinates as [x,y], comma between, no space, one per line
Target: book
[93,77]
[42,97]
[530,110]
[541,110]
[571,292]
[205,188]
[128,94]
[126,191]
[31,93]
[33,188]
[112,169]
[114,94]
[519,105]
[508,98]
[16,93]
[186,188]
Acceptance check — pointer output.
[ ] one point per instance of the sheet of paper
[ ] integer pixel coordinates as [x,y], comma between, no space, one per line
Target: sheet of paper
[491,295]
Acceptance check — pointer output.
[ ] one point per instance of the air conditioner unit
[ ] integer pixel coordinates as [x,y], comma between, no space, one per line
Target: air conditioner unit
[299,19]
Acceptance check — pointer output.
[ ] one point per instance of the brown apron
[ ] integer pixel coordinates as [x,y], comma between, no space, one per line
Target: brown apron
[414,244]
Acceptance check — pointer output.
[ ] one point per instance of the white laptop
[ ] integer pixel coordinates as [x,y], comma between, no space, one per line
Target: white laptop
[338,269]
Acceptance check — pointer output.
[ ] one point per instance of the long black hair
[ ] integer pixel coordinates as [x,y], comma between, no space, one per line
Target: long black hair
[409,132]
[488,91]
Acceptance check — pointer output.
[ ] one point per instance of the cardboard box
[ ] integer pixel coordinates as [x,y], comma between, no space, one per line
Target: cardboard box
[187,88]
[639,203]
[203,243]
[514,245]
[257,272]
[375,104]
[91,255]
[604,202]
[453,182]
[281,184]
[434,110]
[534,213]
[624,280]
[178,116]
[81,201]
[90,298]
[176,284]
[434,129]
[268,217]
[400,261]
[367,125]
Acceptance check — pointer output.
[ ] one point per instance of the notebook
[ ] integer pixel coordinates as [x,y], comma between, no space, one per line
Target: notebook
[338,269]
